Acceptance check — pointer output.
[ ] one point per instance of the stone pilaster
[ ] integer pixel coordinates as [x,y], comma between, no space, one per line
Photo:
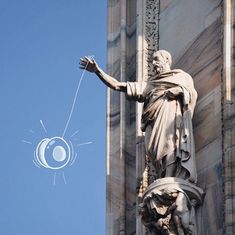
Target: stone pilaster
[228,103]
[200,37]
[120,213]
[147,37]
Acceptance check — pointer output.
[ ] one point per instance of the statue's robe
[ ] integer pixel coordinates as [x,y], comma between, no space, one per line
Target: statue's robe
[167,122]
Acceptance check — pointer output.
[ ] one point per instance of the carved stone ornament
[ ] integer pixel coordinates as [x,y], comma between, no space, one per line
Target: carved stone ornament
[168,207]
[168,184]
[151,32]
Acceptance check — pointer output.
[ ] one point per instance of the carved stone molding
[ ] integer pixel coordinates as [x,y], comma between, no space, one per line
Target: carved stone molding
[151,31]
[150,25]
[152,11]
[168,207]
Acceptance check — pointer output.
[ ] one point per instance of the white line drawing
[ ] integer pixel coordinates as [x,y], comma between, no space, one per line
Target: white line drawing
[72,150]
[64,178]
[36,164]
[44,128]
[55,153]
[26,142]
[54,178]
[85,143]
[59,155]
[75,133]
[75,98]
[35,159]
[74,159]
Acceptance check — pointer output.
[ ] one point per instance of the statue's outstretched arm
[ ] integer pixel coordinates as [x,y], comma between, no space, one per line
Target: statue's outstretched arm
[91,66]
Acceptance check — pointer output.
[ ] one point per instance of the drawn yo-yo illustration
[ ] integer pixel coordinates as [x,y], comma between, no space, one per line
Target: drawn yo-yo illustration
[54,153]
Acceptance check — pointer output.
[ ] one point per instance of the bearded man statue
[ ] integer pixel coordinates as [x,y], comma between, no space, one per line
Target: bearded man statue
[169,100]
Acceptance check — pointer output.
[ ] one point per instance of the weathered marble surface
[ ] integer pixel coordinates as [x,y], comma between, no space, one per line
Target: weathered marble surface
[181,21]
[168,206]
[192,31]
[229,116]
[121,198]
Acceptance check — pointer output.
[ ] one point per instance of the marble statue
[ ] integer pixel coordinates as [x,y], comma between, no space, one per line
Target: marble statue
[169,100]
[169,206]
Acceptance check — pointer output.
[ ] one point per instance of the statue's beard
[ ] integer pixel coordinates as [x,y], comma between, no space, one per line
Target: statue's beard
[159,69]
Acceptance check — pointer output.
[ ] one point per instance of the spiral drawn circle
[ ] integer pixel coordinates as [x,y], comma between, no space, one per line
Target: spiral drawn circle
[53,153]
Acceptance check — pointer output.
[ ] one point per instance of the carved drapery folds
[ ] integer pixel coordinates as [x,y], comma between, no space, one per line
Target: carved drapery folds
[169,206]
[168,201]
[151,31]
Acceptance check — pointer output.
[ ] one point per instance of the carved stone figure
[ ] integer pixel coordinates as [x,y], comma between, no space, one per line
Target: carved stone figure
[169,206]
[169,100]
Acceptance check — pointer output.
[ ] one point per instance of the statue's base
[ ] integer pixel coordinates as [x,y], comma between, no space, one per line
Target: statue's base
[168,206]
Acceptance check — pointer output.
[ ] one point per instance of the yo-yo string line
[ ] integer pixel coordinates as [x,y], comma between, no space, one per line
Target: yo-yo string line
[74,100]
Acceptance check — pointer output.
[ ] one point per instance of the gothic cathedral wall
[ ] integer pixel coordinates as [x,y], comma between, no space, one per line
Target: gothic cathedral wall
[198,34]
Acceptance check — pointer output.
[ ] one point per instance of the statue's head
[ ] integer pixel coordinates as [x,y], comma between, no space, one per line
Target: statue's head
[162,61]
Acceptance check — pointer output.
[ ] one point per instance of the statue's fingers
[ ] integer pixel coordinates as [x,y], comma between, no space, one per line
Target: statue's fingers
[82,62]
[93,61]
[88,59]
[81,67]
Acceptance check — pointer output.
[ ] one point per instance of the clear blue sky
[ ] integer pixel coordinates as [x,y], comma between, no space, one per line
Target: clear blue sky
[40,46]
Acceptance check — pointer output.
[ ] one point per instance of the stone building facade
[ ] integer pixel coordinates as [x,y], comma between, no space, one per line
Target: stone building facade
[200,35]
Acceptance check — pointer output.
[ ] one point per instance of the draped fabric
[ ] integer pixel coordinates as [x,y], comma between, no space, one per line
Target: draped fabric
[167,121]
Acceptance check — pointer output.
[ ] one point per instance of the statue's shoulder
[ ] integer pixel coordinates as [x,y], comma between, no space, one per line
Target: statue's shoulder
[182,73]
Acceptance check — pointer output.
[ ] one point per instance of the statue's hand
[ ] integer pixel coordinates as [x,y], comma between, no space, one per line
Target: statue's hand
[88,64]
[169,95]
[172,93]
